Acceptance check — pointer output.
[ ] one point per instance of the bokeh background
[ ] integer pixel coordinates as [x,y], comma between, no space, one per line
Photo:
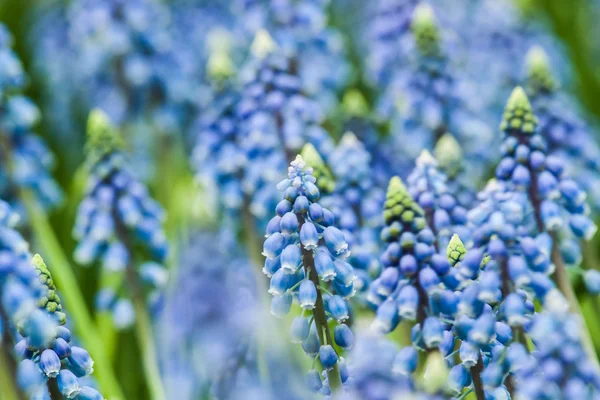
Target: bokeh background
[44,36]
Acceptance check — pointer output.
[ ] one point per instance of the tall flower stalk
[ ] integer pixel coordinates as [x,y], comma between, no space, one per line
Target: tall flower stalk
[559,205]
[119,224]
[305,257]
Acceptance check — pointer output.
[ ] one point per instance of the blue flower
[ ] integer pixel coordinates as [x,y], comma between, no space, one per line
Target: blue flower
[309,266]
[117,211]
[28,161]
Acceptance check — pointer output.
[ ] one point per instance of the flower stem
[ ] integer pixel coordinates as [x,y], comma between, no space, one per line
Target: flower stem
[333,375]
[476,376]
[143,325]
[145,340]
[66,282]
[561,276]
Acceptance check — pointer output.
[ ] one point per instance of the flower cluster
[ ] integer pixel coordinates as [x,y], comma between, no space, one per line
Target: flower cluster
[558,203]
[116,216]
[444,215]
[567,371]
[300,27]
[566,134]
[356,204]
[305,259]
[46,349]
[19,287]
[25,161]
[426,100]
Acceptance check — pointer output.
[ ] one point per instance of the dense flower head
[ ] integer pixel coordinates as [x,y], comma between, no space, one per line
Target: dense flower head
[302,30]
[218,155]
[559,204]
[116,214]
[47,343]
[559,366]
[26,162]
[19,286]
[412,270]
[449,156]
[213,343]
[276,120]
[567,135]
[306,260]
[391,37]
[428,186]
[427,97]
[356,204]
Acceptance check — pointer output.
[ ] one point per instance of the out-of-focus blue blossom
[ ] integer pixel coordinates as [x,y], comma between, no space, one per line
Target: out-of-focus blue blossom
[558,203]
[426,99]
[19,286]
[276,120]
[308,250]
[391,37]
[566,134]
[559,367]
[25,161]
[444,215]
[356,204]
[212,345]
[450,159]
[117,213]
[316,48]
[47,343]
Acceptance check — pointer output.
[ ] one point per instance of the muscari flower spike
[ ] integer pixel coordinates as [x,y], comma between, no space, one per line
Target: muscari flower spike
[276,119]
[391,37]
[26,162]
[559,205]
[567,134]
[116,214]
[306,260]
[47,344]
[411,284]
[426,98]
[356,203]
[449,156]
[559,367]
[19,286]
[301,29]
[444,215]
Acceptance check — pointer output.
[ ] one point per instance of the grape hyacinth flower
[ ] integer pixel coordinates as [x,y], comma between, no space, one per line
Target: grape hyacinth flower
[47,343]
[212,344]
[391,37]
[301,29]
[558,203]
[19,286]
[119,226]
[428,186]
[427,99]
[449,156]
[116,215]
[566,134]
[219,158]
[356,204]
[559,367]
[276,119]
[306,260]
[25,160]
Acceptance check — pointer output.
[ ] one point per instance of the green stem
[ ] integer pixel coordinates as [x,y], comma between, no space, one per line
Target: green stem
[563,281]
[143,325]
[145,338]
[66,282]
[333,375]
[9,390]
